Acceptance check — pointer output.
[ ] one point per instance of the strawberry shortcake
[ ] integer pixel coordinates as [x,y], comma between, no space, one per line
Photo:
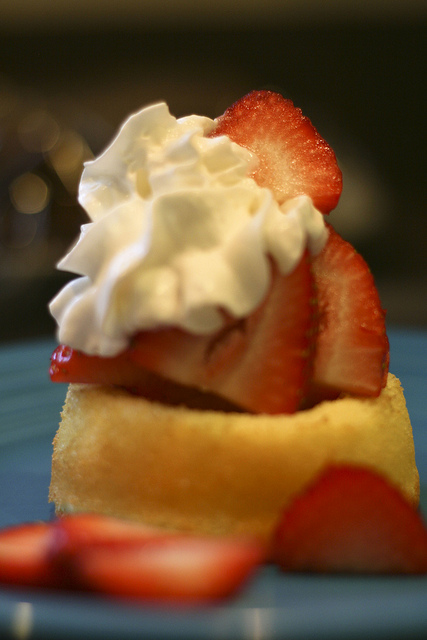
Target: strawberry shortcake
[222,343]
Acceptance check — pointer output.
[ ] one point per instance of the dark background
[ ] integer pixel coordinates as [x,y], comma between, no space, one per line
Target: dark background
[361,79]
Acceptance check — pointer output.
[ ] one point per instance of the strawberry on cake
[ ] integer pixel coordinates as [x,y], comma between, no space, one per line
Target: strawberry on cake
[223,345]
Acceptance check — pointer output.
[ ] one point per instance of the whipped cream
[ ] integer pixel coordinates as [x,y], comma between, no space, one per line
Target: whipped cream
[178,234]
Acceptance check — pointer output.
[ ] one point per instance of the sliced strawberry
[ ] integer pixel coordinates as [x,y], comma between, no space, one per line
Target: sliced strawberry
[131,560]
[352,349]
[351,520]
[293,158]
[115,557]
[188,570]
[71,365]
[23,555]
[259,363]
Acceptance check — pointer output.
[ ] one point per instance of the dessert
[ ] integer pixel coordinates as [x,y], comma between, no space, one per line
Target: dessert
[229,400]
[223,344]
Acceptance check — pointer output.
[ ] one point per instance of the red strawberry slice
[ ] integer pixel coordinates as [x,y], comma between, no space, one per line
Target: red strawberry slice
[259,363]
[131,560]
[352,349]
[23,555]
[187,570]
[293,158]
[351,520]
[71,365]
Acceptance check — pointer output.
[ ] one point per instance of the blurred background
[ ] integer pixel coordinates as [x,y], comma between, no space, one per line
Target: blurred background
[71,72]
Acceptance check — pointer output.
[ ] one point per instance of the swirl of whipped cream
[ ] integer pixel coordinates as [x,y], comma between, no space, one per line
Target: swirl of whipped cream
[178,234]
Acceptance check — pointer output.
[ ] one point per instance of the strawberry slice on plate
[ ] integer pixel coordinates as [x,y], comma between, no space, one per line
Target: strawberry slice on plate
[293,158]
[178,569]
[23,555]
[351,520]
[120,558]
[352,348]
[125,559]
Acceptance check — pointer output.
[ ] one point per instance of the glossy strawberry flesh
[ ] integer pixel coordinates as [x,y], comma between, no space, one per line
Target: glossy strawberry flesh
[71,365]
[293,159]
[259,364]
[129,559]
[179,568]
[352,349]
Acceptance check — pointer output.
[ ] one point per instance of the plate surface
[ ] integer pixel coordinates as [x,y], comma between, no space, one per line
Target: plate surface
[272,606]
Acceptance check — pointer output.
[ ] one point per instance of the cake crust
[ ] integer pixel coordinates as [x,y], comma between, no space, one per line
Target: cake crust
[216,472]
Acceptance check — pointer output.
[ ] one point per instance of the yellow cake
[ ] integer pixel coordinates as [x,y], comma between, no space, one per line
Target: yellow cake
[217,472]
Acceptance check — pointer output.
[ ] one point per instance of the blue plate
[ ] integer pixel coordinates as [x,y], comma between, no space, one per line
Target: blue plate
[272,606]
